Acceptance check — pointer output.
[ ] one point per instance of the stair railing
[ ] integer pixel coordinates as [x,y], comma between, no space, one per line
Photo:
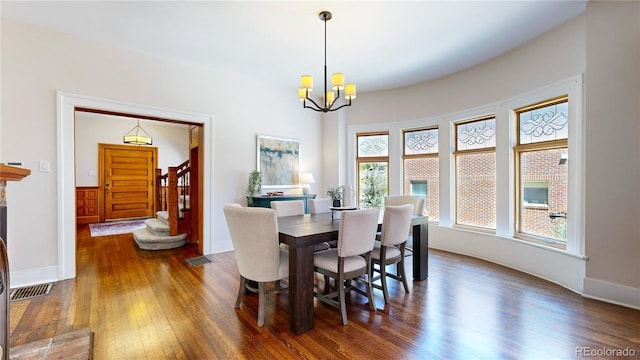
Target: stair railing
[171,185]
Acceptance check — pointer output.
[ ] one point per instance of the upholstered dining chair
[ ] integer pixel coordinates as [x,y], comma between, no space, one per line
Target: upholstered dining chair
[350,259]
[390,249]
[417,201]
[288,207]
[292,208]
[254,234]
[322,205]
[418,209]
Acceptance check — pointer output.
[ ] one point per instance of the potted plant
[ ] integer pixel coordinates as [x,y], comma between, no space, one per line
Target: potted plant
[336,195]
[255,185]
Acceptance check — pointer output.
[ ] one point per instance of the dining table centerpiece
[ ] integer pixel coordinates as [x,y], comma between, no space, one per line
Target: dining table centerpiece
[336,195]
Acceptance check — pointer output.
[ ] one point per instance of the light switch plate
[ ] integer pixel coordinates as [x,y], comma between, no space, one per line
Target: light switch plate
[45,166]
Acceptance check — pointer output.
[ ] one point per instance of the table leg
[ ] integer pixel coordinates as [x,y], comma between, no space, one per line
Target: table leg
[300,289]
[420,252]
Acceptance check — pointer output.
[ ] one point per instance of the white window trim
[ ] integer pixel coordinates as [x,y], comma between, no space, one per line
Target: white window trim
[575,209]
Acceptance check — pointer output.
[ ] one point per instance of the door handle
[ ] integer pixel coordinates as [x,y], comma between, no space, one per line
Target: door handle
[106,188]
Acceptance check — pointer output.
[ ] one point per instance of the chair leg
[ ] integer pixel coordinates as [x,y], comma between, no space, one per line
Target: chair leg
[327,285]
[403,275]
[383,281]
[262,299]
[341,298]
[243,283]
[372,303]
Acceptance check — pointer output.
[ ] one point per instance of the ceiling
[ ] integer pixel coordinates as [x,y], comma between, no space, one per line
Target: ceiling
[377,44]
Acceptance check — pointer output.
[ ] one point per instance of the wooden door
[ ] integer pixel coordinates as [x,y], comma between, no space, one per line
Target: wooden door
[127,180]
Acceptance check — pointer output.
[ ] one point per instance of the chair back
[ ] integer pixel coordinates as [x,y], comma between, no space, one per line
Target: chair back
[396,221]
[357,232]
[288,207]
[254,234]
[417,201]
[320,205]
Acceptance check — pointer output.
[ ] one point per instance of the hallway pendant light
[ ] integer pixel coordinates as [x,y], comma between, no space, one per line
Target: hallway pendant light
[337,83]
[137,136]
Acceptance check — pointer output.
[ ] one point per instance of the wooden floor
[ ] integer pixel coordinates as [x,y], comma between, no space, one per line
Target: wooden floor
[155,305]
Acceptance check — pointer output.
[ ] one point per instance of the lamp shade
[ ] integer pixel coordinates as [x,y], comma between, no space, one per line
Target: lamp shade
[350,92]
[337,81]
[306,82]
[331,96]
[137,136]
[307,178]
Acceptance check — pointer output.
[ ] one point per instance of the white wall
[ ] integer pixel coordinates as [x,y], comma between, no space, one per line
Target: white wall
[172,141]
[612,143]
[37,62]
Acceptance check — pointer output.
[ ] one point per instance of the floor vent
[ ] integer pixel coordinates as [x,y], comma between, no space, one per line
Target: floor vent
[29,292]
[198,260]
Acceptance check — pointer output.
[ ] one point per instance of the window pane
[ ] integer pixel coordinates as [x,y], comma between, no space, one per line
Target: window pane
[373,145]
[373,184]
[424,171]
[540,169]
[479,134]
[544,124]
[476,190]
[421,142]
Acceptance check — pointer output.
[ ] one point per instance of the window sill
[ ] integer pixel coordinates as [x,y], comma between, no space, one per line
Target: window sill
[536,206]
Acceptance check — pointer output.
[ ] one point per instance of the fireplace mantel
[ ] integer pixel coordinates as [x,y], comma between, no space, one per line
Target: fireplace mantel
[12,173]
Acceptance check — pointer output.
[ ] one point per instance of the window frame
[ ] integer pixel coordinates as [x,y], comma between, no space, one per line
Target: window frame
[370,159]
[518,150]
[456,153]
[435,155]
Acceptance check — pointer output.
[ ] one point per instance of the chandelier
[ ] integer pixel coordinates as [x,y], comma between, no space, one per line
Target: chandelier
[137,136]
[337,82]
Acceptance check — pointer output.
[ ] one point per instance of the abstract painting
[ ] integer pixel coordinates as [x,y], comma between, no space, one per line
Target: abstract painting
[278,161]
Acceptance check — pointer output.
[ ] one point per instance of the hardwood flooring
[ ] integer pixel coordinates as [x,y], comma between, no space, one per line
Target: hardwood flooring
[155,305]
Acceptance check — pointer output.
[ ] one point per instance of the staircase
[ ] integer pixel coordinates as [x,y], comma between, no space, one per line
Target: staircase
[156,235]
[171,228]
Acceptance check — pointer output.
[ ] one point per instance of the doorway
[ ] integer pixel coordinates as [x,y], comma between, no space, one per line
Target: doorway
[67,105]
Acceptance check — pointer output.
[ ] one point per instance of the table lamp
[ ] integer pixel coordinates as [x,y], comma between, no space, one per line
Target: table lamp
[305,180]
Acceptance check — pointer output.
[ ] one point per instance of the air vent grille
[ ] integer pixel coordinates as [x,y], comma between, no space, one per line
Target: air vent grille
[29,292]
[200,260]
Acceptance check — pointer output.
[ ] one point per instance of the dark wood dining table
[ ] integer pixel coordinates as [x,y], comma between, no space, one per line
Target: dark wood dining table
[301,232]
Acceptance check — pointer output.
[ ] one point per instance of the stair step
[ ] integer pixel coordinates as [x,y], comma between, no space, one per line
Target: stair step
[157,227]
[147,240]
[163,216]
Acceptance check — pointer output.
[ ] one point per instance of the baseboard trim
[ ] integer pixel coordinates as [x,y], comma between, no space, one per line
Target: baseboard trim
[612,293]
[30,277]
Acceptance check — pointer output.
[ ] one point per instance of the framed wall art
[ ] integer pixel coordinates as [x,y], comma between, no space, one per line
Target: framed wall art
[278,161]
